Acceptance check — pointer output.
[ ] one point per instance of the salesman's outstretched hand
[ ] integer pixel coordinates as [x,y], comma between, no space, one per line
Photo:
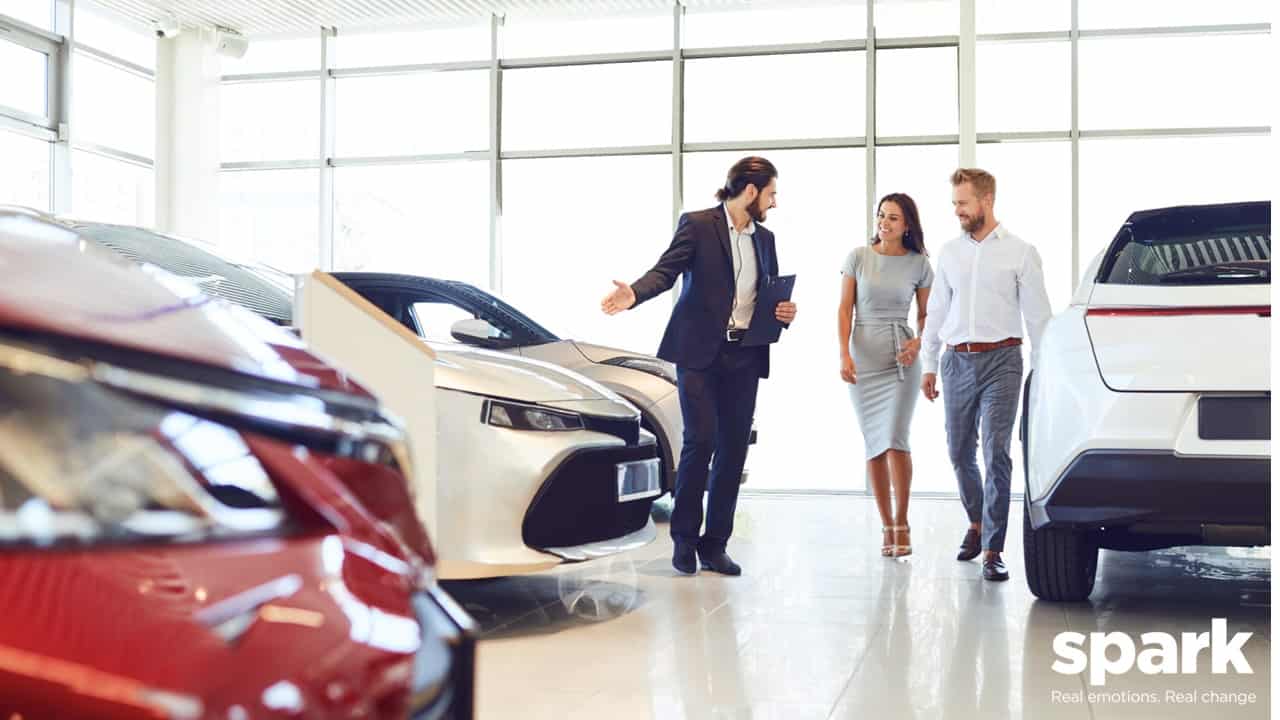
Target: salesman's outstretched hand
[622,298]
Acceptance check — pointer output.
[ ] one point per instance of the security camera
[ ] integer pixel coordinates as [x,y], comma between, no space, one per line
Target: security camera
[231,43]
[166,27]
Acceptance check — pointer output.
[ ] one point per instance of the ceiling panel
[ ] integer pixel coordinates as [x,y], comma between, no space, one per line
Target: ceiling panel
[278,17]
[291,17]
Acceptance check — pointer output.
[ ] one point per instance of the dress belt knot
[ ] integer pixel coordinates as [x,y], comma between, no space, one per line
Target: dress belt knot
[900,330]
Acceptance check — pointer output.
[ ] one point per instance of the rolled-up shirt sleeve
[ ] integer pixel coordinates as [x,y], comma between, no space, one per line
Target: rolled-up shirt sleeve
[1033,300]
[939,306]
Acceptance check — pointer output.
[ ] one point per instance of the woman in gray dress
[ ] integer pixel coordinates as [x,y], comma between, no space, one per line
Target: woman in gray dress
[878,351]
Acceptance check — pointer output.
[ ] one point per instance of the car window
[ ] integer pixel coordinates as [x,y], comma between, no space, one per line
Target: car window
[1242,255]
[1192,245]
[435,319]
[501,314]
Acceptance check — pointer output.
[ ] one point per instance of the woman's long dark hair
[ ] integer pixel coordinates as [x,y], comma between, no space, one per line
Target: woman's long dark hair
[913,238]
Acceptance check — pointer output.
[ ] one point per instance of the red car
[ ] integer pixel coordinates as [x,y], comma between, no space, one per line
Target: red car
[198,518]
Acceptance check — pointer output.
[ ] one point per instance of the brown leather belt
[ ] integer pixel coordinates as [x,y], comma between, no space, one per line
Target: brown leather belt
[976,347]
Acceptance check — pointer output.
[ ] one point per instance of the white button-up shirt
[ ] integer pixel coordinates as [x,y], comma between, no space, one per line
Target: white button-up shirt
[742,245]
[982,292]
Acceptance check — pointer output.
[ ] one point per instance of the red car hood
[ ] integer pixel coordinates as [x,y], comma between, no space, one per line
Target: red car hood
[53,281]
[191,630]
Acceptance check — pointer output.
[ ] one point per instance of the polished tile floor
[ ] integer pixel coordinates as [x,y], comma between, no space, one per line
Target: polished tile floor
[820,626]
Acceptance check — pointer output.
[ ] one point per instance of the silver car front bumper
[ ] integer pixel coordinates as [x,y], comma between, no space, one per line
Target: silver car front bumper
[590,551]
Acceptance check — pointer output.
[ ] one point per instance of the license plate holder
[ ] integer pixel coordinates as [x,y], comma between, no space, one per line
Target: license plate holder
[638,479]
[1235,418]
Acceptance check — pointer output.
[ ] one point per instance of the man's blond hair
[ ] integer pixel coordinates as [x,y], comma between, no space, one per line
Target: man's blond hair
[982,181]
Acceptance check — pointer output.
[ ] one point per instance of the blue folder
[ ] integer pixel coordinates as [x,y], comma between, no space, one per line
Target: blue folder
[765,327]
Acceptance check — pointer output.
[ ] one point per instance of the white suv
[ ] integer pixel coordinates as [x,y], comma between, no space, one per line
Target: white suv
[1147,424]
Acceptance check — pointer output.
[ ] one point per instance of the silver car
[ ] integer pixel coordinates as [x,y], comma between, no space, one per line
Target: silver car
[479,319]
[537,464]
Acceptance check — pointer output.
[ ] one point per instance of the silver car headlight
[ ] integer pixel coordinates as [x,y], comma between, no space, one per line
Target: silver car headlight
[529,417]
[82,463]
[652,366]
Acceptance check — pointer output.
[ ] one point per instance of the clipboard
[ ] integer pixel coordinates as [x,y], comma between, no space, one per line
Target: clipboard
[765,327]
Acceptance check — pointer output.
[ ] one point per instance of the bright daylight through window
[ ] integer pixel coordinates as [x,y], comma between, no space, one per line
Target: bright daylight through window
[586,170]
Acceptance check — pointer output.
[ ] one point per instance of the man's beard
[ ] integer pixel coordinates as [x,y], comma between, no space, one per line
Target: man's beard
[974,224]
[756,212]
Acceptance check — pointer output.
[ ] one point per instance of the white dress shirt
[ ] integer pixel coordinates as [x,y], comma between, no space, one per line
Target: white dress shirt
[982,292]
[742,244]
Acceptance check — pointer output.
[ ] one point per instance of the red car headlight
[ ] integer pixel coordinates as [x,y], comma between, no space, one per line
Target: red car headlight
[83,463]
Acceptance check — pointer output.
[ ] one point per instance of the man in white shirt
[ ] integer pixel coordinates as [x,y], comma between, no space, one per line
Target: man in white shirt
[988,282]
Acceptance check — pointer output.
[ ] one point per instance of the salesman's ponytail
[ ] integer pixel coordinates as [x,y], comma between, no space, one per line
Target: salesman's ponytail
[747,171]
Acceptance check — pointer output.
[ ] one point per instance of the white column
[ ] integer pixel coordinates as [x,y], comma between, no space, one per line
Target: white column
[968,84]
[187,73]
[495,153]
[328,143]
[677,128]
[871,128]
[1075,142]
[677,115]
[60,104]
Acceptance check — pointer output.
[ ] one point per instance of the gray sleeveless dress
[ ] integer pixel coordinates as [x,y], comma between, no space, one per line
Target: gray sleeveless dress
[884,397]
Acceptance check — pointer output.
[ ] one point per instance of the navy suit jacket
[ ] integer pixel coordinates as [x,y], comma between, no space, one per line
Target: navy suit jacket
[700,254]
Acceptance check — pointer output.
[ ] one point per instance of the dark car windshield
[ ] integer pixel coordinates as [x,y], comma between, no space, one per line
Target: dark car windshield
[498,309]
[1208,245]
[264,291]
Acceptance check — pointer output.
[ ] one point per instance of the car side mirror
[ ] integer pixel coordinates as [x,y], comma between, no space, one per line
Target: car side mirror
[474,331]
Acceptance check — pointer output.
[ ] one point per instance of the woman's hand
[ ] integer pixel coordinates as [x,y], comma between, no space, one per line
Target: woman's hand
[848,372]
[910,351]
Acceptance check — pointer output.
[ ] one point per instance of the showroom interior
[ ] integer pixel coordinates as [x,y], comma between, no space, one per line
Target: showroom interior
[538,150]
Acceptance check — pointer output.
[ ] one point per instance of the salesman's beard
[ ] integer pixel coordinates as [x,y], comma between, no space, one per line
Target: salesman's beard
[757,212]
[974,224]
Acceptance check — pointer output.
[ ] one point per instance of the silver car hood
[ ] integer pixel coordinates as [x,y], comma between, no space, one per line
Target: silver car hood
[484,372]
[600,353]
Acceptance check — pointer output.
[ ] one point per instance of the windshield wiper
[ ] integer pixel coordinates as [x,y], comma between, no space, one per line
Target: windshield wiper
[1221,271]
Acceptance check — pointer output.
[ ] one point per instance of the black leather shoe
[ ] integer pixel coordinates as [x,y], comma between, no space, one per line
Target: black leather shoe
[993,569]
[685,560]
[971,546]
[719,562]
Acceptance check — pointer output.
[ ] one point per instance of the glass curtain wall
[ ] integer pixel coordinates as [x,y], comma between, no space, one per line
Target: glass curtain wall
[26,118]
[113,111]
[269,137]
[541,157]
[111,119]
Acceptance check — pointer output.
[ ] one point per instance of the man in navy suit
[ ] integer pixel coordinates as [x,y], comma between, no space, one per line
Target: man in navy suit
[721,254]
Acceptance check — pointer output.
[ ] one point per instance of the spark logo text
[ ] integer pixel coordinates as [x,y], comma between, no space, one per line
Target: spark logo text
[1160,653]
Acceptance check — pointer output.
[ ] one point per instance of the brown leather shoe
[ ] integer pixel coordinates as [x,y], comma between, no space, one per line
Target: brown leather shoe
[971,546]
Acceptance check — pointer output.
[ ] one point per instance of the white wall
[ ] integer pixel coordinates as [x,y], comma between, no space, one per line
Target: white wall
[187,93]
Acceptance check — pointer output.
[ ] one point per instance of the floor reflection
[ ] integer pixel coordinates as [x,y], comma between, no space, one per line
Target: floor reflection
[976,680]
[821,627]
[577,594]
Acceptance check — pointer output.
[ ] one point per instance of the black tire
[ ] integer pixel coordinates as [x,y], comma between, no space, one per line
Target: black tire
[1061,563]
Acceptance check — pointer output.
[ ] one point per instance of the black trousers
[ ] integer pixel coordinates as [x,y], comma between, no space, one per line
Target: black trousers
[718,404]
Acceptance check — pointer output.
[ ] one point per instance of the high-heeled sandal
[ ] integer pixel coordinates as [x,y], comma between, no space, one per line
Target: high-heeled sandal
[901,549]
[887,549]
